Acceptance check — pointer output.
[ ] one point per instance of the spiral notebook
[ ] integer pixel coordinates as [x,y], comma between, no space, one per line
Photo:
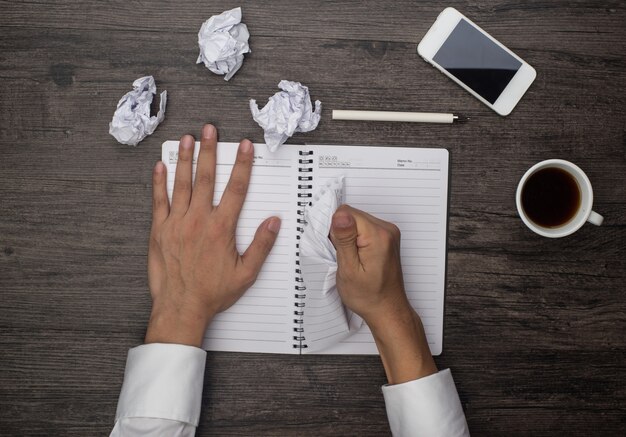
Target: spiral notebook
[406,186]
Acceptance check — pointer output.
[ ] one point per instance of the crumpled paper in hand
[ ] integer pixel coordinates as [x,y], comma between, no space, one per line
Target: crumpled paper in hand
[316,248]
[314,241]
[131,121]
[223,39]
[286,112]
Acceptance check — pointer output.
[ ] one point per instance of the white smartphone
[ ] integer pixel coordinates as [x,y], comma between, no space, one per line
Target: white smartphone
[475,60]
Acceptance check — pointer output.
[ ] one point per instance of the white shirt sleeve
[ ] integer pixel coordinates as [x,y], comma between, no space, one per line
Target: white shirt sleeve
[428,406]
[162,391]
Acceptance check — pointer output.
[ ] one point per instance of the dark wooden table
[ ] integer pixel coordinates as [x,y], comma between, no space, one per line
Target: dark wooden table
[534,328]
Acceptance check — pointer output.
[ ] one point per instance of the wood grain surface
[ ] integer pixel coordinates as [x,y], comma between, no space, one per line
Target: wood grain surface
[534,328]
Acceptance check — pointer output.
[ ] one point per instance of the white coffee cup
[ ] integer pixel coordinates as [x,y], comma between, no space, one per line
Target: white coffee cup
[584,213]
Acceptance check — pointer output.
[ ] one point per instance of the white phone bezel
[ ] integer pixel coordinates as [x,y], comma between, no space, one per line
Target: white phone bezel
[439,33]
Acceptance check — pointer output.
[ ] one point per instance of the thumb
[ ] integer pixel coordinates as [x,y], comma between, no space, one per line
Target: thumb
[264,239]
[343,234]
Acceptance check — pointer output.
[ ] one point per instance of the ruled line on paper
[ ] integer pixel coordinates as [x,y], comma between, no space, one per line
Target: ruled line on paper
[246,339]
[377,168]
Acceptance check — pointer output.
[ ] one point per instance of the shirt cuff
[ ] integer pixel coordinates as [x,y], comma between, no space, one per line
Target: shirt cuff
[163,381]
[428,406]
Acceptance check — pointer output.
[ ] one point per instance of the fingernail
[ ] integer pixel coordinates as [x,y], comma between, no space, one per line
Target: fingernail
[246,146]
[342,220]
[208,131]
[159,167]
[274,225]
[187,142]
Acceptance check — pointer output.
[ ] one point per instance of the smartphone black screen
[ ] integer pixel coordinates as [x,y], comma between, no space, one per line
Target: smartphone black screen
[477,61]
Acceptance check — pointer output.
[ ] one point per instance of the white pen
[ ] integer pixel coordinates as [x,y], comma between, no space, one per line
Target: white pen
[415,117]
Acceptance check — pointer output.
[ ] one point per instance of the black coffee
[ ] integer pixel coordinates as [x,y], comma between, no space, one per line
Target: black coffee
[551,197]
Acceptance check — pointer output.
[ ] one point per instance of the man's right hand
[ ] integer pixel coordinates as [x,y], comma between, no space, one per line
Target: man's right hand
[369,280]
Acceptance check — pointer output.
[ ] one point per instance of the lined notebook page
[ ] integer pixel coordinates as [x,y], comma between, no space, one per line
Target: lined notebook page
[262,320]
[326,319]
[406,186]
